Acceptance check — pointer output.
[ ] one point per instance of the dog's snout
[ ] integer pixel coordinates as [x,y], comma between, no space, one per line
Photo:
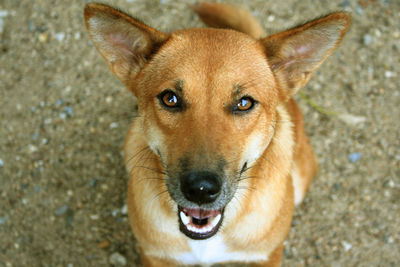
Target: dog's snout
[201,187]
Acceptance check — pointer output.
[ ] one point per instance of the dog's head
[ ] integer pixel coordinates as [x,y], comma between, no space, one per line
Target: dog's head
[209,99]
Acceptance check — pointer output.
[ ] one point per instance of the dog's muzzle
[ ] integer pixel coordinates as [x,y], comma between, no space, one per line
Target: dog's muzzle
[201,188]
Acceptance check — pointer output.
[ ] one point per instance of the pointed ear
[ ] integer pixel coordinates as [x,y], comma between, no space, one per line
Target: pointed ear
[295,54]
[125,43]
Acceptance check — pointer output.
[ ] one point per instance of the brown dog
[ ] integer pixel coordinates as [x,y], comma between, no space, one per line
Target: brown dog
[218,157]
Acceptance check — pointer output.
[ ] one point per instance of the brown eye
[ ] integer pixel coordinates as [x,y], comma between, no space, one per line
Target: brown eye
[170,100]
[244,104]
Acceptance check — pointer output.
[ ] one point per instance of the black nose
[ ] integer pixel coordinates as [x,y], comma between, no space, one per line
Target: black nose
[200,187]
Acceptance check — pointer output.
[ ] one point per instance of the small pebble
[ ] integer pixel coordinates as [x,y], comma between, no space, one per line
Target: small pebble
[389,74]
[59,102]
[60,36]
[104,187]
[115,212]
[367,39]
[1,163]
[32,148]
[352,119]
[344,4]
[124,209]
[94,217]
[109,99]
[31,26]
[43,37]
[117,259]
[70,217]
[3,219]
[93,182]
[113,125]
[68,110]
[3,13]
[347,246]
[104,244]
[62,210]
[354,157]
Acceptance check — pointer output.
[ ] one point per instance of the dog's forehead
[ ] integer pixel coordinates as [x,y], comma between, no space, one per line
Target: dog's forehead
[213,50]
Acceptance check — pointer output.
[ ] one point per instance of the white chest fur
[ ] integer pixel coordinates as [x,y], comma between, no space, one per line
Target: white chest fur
[214,250]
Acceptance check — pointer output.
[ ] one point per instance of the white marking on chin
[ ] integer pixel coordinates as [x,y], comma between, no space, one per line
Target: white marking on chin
[214,250]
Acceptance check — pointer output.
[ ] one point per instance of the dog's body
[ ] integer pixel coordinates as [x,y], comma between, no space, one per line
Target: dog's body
[218,156]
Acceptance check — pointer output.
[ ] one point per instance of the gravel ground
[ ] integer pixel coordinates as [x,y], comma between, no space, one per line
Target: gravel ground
[63,118]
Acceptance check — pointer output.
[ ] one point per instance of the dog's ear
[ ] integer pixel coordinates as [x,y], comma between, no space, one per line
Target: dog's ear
[295,54]
[124,42]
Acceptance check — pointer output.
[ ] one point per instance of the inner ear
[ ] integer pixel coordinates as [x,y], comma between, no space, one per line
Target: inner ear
[124,42]
[296,53]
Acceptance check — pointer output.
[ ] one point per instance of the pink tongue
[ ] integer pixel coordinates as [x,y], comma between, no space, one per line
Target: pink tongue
[201,214]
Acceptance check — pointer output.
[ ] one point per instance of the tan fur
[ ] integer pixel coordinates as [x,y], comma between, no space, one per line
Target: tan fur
[210,69]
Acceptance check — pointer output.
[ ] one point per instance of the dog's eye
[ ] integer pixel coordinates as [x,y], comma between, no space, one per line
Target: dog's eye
[169,99]
[244,104]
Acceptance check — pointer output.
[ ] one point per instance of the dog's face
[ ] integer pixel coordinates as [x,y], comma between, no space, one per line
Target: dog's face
[208,98]
[209,114]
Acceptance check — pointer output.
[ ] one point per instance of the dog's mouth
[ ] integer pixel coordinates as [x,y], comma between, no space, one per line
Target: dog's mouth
[199,223]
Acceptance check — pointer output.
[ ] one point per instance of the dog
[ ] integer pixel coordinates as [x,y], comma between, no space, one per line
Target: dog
[218,156]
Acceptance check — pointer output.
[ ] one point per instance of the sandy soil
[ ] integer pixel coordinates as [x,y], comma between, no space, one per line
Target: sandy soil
[63,118]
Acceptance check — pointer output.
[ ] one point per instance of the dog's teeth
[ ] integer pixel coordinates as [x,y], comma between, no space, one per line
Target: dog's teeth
[192,228]
[215,220]
[185,219]
[212,223]
[207,229]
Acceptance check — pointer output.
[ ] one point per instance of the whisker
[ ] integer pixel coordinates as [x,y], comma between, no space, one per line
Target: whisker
[249,177]
[145,154]
[137,153]
[247,188]
[159,194]
[148,168]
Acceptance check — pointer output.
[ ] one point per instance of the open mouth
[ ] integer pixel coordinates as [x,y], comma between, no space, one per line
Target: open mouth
[198,223]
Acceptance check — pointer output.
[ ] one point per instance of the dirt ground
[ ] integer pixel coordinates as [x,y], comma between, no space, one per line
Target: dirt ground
[63,118]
